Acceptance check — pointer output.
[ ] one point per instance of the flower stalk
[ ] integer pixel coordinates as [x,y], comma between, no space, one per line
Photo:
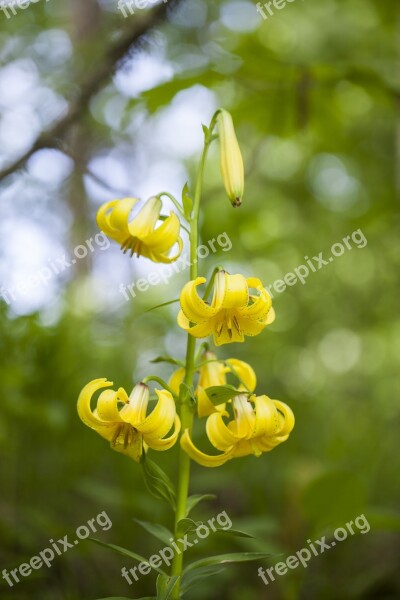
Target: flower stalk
[186,408]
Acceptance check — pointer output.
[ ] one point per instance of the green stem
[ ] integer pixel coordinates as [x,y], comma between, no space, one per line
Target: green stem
[161,382]
[186,407]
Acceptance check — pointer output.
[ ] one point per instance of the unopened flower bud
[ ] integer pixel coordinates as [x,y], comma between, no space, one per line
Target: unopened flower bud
[231,159]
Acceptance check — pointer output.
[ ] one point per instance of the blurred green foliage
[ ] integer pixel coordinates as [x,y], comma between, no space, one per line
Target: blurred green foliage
[314,92]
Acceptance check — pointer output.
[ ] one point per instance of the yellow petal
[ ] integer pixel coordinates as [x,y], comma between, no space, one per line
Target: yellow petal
[165,443]
[193,307]
[230,291]
[84,410]
[249,327]
[288,417]
[158,423]
[107,406]
[176,379]
[134,411]
[219,434]
[145,221]
[259,308]
[227,332]
[199,331]
[200,457]
[119,215]
[204,405]
[164,258]
[244,424]
[165,236]
[244,373]
[267,418]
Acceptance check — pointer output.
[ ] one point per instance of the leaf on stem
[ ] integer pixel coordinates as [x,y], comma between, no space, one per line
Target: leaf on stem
[221,559]
[168,359]
[157,482]
[218,394]
[161,305]
[155,529]
[125,552]
[194,500]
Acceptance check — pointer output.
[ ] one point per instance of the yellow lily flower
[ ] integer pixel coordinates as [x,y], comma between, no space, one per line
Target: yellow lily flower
[259,425]
[140,235]
[233,312]
[127,427]
[213,372]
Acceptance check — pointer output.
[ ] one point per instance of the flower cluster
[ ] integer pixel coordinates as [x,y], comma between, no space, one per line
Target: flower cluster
[238,422]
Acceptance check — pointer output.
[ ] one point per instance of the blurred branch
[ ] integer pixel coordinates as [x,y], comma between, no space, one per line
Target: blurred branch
[92,83]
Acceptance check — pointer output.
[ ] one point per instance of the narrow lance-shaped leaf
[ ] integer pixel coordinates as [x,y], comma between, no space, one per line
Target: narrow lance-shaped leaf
[165,586]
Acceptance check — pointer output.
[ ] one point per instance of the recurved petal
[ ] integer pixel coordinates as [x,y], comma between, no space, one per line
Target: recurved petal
[230,291]
[250,327]
[165,236]
[201,458]
[165,443]
[164,258]
[176,379]
[288,417]
[193,307]
[145,221]
[260,306]
[159,422]
[267,420]
[119,216]
[84,411]
[244,372]
[218,433]
[198,331]
[107,406]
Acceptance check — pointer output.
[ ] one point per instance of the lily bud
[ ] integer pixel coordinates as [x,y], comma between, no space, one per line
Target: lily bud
[231,159]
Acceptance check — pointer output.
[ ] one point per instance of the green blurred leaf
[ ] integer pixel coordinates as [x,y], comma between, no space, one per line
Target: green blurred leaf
[168,359]
[221,559]
[125,552]
[158,531]
[218,394]
[158,483]
[190,579]
[186,526]
[194,500]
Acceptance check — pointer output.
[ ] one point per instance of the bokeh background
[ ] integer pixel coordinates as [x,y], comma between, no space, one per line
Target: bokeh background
[314,91]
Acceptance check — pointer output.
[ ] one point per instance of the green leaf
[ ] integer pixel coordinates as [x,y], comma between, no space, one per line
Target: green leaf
[165,586]
[194,500]
[168,359]
[161,305]
[235,532]
[186,526]
[158,531]
[125,552]
[189,580]
[221,559]
[206,131]
[187,201]
[218,394]
[158,483]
